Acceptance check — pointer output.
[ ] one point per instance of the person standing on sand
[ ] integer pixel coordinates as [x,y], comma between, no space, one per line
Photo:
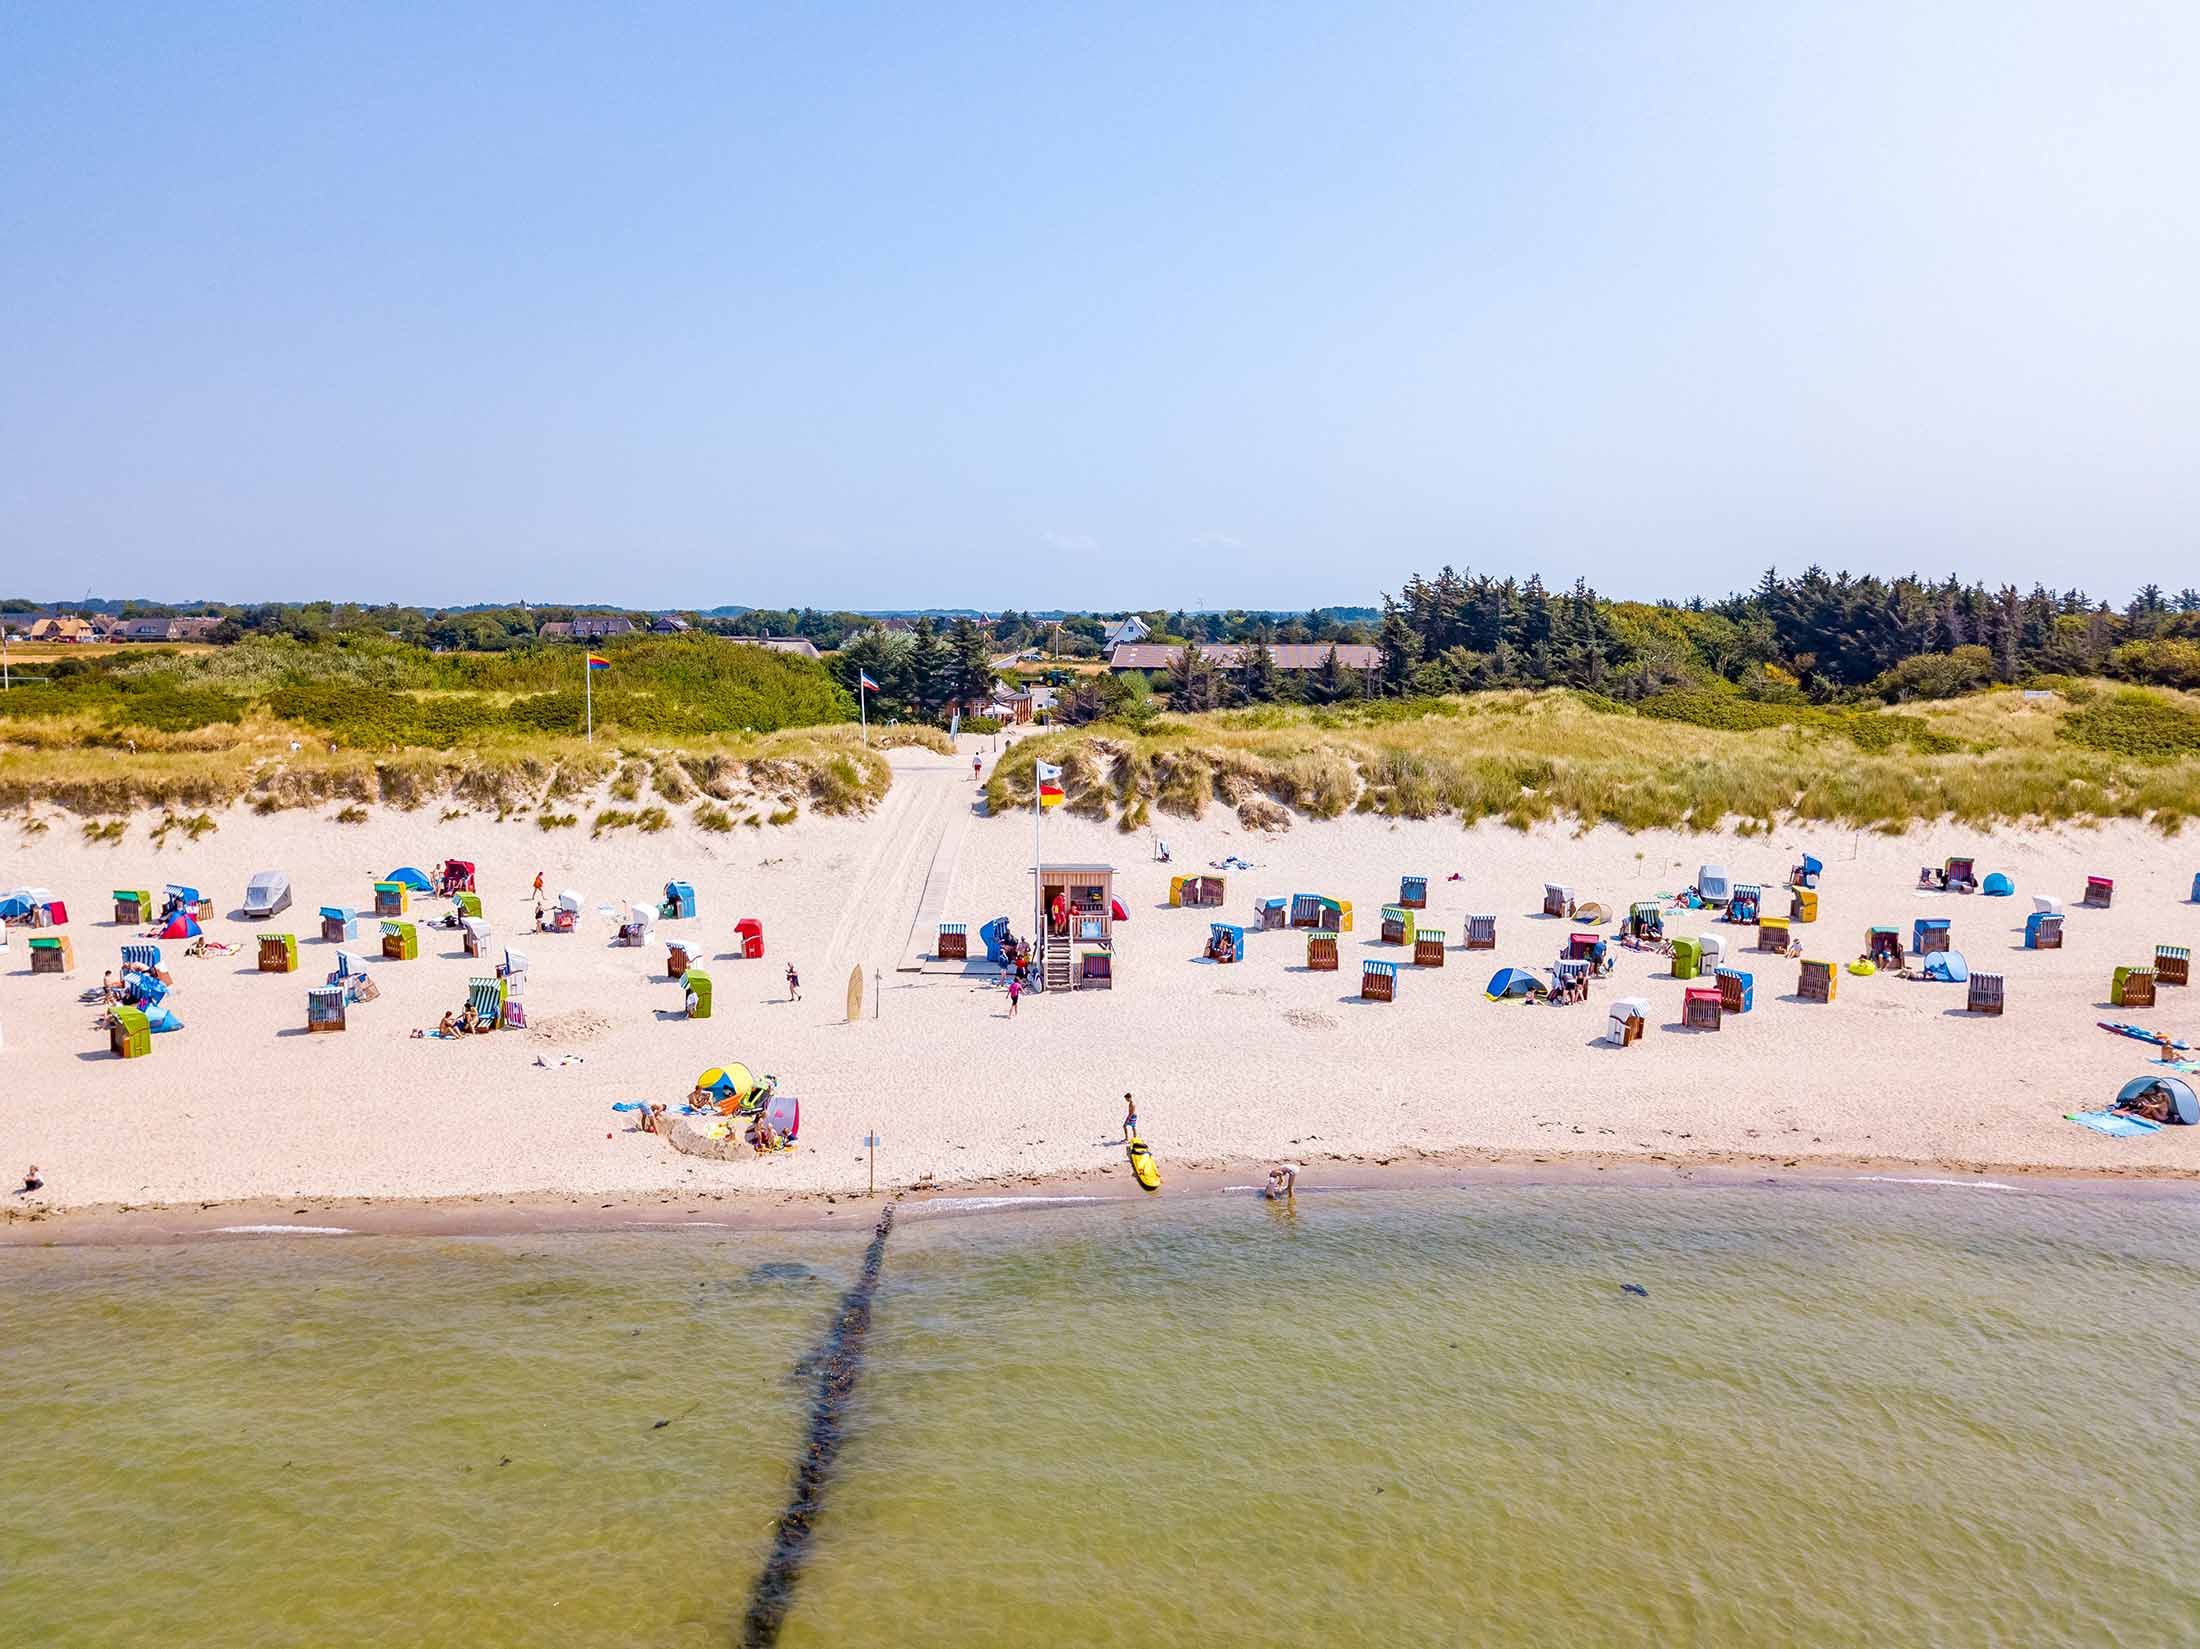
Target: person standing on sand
[794,984]
[975,766]
[1015,995]
[1130,1116]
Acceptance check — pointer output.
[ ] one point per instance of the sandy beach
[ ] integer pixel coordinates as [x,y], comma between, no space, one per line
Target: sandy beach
[1230,1064]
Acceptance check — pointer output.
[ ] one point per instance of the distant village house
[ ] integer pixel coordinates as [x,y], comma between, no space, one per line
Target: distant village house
[61,628]
[1132,628]
[795,646]
[1294,656]
[593,627]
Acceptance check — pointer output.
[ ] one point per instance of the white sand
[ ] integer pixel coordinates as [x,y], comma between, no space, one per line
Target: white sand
[1259,1060]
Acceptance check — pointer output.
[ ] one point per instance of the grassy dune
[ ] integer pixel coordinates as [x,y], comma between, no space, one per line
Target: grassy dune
[824,770]
[736,732]
[2088,752]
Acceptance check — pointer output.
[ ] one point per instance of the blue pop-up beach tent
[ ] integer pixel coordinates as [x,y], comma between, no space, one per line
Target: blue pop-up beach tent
[412,878]
[1997,886]
[2184,1105]
[1948,967]
[1507,982]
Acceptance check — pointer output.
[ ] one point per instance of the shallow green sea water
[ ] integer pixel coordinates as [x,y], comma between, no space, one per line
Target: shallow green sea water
[1840,1416]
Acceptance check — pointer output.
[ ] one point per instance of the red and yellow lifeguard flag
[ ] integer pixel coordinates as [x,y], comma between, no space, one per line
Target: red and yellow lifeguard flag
[596,662]
[1050,785]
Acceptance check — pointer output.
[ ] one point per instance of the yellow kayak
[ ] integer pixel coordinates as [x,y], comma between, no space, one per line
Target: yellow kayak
[1142,1163]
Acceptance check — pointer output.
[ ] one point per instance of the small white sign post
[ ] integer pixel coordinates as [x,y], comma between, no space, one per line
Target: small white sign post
[871,1143]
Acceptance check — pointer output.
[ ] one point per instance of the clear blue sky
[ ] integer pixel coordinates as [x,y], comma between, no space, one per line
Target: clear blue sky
[1042,305]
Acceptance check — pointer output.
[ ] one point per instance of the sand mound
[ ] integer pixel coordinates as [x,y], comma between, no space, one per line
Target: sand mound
[573,1026]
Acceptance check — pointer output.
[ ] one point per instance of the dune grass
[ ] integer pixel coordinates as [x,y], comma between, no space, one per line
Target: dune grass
[1524,758]
[269,765]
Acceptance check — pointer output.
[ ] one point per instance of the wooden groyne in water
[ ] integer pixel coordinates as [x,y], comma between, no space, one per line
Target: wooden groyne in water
[839,1360]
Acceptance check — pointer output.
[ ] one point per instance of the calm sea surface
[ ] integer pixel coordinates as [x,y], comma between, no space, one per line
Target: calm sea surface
[1841,1416]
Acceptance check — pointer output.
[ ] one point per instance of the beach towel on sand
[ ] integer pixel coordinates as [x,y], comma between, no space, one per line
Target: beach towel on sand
[2112,1123]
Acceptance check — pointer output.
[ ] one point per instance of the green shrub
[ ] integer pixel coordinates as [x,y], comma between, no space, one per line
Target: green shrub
[2135,724]
[1724,712]
[2172,662]
[710,816]
[785,816]
[351,813]
[651,820]
[611,818]
[161,707]
[1936,675]
[547,820]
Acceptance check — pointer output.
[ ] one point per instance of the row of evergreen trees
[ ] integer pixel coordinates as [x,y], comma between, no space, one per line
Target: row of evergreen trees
[1818,635]
[923,673]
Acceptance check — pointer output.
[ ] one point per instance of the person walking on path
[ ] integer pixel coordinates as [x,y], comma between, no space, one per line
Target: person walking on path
[794,984]
[976,770]
[1015,995]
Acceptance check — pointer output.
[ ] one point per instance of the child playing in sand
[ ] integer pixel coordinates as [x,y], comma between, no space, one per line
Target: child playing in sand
[794,984]
[1015,995]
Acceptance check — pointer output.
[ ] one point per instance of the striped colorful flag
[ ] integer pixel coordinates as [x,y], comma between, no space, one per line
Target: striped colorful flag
[863,680]
[596,663]
[1050,784]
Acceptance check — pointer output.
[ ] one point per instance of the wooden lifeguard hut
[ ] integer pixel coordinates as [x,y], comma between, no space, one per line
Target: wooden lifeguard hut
[1075,921]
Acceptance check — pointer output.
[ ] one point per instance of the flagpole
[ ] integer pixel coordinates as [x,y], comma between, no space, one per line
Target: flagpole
[588,693]
[863,710]
[1039,915]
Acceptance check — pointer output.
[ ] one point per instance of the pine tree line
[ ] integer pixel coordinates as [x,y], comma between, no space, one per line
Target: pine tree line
[1819,636]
